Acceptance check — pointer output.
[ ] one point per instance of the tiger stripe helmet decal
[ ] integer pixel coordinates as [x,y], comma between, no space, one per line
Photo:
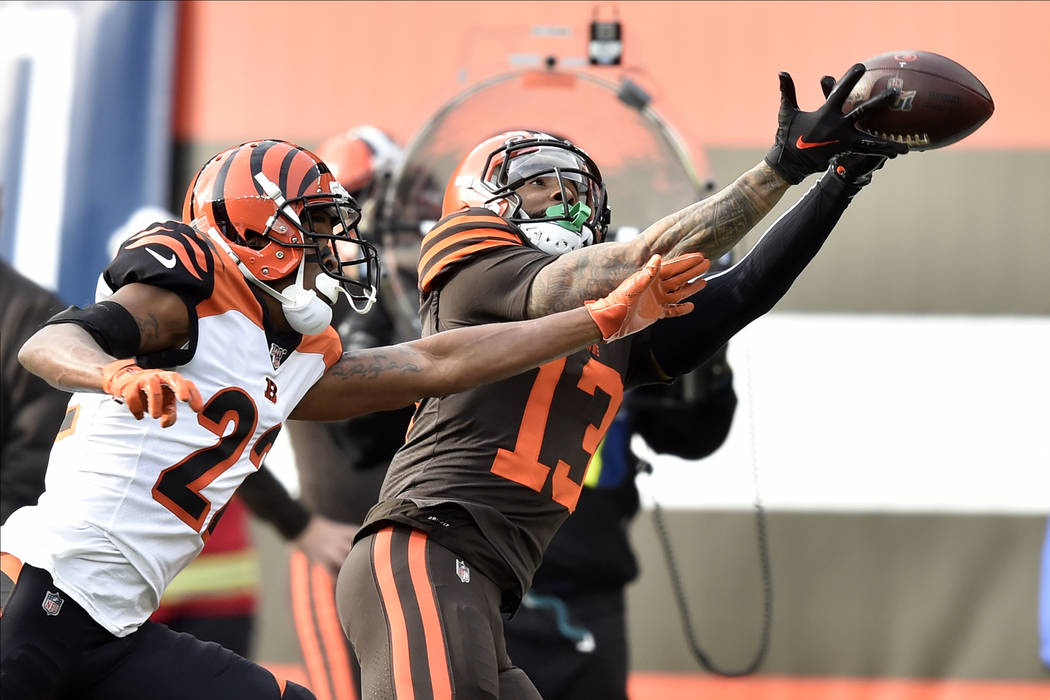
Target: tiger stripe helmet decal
[261,197]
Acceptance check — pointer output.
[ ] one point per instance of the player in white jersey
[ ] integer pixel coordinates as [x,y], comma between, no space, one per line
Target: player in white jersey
[218,328]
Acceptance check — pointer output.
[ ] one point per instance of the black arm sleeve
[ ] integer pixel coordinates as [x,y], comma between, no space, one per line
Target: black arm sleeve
[268,500]
[109,323]
[752,287]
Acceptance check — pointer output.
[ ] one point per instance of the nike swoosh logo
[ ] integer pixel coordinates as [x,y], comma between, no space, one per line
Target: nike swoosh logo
[803,145]
[166,262]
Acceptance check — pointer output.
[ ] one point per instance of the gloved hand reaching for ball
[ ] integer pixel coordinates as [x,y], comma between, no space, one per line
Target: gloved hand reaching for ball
[854,168]
[807,141]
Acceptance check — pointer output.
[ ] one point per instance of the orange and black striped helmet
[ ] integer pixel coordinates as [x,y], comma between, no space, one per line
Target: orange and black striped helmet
[489,175]
[263,196]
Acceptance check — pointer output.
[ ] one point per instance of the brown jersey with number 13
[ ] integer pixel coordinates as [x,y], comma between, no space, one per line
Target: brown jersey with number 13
[491,473]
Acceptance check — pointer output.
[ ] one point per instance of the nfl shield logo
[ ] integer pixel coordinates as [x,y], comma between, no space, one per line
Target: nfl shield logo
[52,603]
[277,355]
[463,571]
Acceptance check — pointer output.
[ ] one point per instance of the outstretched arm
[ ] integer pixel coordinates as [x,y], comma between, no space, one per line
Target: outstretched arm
[711,227]
[805,143]
[734,298]
[377,379]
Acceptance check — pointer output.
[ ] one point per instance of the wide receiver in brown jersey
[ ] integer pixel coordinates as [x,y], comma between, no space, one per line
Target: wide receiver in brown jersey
[217,327]
[487,476]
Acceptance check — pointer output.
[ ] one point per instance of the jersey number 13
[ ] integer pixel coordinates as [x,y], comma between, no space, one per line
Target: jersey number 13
[523,464]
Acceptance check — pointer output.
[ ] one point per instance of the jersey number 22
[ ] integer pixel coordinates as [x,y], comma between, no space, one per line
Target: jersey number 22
[179,487]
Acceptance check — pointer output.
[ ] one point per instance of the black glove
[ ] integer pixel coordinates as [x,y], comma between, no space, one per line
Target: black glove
[806,141]
[854,168]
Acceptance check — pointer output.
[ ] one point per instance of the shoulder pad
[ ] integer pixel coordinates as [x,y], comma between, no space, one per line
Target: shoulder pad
[461,236]
[169,254]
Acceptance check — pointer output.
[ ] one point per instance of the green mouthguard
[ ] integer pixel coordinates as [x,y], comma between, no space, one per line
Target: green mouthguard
[578,213]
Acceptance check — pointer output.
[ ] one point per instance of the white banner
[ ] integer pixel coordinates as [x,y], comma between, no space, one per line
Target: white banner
[878,413]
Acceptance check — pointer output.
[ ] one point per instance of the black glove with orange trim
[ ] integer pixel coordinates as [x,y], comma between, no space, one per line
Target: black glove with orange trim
[806,141]
[152,390]
[654,292]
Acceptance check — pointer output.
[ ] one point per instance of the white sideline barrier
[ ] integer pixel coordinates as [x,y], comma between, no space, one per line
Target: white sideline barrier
[878,413]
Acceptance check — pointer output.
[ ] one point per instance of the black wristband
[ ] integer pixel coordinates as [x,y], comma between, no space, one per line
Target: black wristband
[775,159]
[110,324]
[831,183]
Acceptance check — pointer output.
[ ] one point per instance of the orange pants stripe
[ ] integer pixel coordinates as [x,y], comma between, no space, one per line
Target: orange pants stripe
[328,668]
[435,640]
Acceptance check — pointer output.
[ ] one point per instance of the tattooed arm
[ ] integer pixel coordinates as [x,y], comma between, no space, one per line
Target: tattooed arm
[384,378]
[712,227]
[377,379]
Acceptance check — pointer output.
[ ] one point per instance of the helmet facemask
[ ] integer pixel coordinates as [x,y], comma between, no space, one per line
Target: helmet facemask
[580,216]
[329,227]
[324,229]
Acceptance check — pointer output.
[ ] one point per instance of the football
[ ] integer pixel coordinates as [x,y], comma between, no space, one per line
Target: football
[940,102]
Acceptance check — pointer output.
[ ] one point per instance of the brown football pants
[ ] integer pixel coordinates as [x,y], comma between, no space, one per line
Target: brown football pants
[423,623]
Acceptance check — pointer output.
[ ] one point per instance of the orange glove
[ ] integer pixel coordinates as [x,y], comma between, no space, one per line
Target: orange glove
[152,389]
[652,293]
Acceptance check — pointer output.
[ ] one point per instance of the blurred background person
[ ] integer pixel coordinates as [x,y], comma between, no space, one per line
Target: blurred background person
[341,465]
[32,409]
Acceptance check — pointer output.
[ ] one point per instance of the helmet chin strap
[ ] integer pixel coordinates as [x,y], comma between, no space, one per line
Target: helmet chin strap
[323,283]
[554,239]
[305,312]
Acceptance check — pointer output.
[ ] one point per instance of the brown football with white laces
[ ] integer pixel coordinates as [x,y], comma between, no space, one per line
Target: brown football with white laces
[940,102]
